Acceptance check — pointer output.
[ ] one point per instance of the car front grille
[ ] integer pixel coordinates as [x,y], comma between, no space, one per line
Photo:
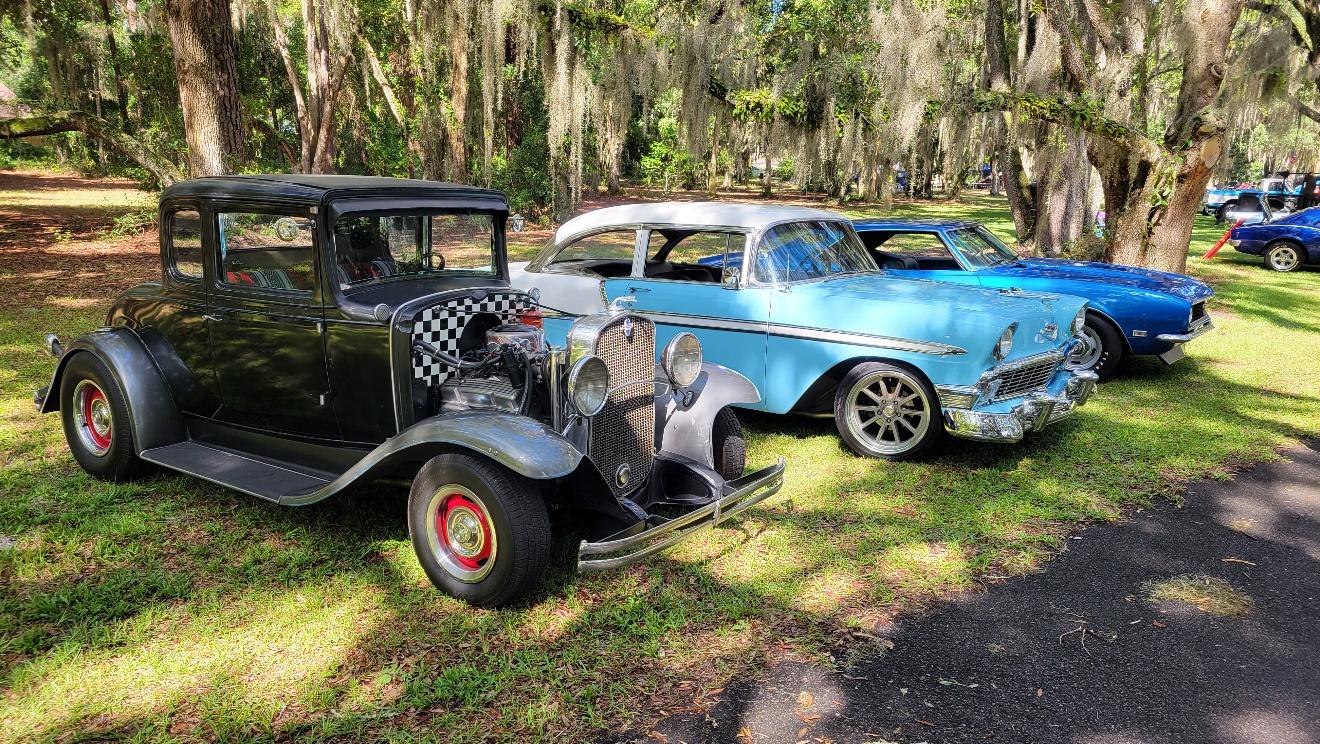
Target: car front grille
[1026,376]
[1198,312]
[623,433]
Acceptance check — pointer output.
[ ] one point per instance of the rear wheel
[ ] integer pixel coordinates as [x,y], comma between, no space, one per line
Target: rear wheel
[1282,256]
[1103,350]
[729,445]
[96,420]
[480,531]
[887,411]
[1222,213]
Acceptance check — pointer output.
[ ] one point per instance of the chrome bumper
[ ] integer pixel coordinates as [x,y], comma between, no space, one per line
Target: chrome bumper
[1035,412]
[1200,328]
[743,493]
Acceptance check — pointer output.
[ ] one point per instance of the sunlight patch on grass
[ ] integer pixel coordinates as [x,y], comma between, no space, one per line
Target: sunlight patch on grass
[1208,594]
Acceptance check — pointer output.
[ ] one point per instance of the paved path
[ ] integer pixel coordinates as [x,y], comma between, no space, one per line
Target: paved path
[1008,665]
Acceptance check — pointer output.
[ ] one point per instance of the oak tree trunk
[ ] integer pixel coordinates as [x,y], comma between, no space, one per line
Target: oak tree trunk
[203,40]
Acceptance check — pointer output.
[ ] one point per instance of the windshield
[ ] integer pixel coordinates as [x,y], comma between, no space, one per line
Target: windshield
[802,251]
[375,248]
[980,248]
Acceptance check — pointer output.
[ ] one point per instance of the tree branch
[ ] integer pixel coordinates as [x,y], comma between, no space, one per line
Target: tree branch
[37,125]
[1087,116]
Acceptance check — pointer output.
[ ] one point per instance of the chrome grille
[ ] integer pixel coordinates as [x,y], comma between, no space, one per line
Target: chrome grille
[623,433]
[1029,376]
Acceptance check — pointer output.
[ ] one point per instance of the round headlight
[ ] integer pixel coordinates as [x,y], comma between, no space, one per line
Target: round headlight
[1079,322]
[682,359]
[1005,344]
[589,385]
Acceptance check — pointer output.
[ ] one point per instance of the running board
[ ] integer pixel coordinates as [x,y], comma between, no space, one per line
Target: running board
[253,476]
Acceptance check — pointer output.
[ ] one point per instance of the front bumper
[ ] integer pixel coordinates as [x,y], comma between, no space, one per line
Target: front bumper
[1035,411]
[739,495]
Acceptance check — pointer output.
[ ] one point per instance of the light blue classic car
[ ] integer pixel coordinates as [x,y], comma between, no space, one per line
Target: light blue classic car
[816,325]
[1131,310]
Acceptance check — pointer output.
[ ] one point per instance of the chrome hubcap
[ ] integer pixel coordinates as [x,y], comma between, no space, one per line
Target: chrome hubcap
[888,412]
[1089,355]
[1283,258]
[460,533]
[93,418]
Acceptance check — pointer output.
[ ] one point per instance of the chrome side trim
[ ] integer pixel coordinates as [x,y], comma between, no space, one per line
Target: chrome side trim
[805,332]
[1200,328]
[745,493]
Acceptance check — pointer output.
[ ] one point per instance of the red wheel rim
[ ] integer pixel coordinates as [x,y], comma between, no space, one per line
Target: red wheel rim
[96,418]
[464,530]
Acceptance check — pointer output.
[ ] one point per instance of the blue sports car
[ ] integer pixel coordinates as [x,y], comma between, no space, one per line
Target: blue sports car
[1131,310]
[1285,243]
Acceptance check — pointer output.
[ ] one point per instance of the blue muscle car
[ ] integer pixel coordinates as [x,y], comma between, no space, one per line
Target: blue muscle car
[1131,310]
[817,326]
[1285,243]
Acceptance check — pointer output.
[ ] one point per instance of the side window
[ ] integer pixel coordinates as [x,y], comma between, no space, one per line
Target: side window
[185,250]
[699,256]
[915,245]
[271,251]
[607,254]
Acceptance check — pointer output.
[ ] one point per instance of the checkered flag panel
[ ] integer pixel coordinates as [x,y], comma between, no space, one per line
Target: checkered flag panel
[442,326]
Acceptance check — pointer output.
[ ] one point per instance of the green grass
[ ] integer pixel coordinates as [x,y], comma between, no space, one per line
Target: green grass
[170,609]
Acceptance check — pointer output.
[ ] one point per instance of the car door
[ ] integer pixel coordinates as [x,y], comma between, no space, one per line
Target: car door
[682,289]
[178,334]
[265,322]
[918,254]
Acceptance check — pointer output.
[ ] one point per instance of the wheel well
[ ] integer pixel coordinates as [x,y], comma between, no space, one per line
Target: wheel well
[819,396]
[1127,345]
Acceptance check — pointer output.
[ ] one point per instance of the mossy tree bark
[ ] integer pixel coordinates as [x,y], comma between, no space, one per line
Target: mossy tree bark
[202,36]
[40,125]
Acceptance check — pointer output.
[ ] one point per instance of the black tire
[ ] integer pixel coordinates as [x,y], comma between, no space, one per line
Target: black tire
[1221,214]
[1106,336]
[909,441]
[108,456]
[517,522]
[1283,256]
[729,445]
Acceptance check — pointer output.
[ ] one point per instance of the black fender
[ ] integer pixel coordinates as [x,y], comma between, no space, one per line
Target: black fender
[521,444]
[155,417]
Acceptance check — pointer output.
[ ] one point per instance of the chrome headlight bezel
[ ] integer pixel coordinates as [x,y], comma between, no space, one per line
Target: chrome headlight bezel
[682,359]
[589,385]
[1004,346]
[1079,322]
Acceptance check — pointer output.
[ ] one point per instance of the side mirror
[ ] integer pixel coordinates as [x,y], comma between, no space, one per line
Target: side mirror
[730,277]
[517,222]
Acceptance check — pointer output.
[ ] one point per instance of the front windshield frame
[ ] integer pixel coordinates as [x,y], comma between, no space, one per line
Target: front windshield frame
[994,254]
[860,262]
[497,266]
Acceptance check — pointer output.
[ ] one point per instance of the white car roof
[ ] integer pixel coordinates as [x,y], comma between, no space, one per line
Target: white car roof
[749,217]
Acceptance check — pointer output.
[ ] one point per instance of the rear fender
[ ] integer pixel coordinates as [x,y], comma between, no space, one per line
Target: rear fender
[155,417]
[687,415]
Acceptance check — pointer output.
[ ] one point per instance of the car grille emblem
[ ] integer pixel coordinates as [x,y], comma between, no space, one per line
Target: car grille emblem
[1050,331]
[628,328]
[623,475]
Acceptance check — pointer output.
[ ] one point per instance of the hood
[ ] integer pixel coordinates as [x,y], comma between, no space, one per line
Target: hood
[967,317]
[1178,285]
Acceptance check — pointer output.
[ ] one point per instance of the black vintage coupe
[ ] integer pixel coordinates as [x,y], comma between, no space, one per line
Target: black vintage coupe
[313,332]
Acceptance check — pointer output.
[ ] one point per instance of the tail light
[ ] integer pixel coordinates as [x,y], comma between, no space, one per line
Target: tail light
[532,317]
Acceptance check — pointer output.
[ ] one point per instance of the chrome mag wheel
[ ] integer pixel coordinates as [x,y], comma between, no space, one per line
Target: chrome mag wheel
[460,533]
[93,418]
[1087,357]
[1283,258]
[888,412]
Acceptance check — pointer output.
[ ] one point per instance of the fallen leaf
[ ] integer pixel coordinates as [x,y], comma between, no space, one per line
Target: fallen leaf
[745,733]
[806,700]
[924,722]
[1040,692]
[808,717]
[1237,560]
[1158,624]
[658,737]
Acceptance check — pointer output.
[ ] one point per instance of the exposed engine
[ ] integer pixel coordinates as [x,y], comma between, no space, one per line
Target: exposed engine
[499,366]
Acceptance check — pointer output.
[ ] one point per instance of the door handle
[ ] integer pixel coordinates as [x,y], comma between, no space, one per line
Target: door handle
[213,317]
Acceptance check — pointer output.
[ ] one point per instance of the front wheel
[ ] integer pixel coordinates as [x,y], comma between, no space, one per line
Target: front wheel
[729,445]
[481,532]
[1103,348]
[887,411]
[1282,257]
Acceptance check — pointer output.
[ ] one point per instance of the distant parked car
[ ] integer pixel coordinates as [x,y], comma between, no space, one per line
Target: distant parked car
[1131,310]
[1285,243]
[812,321]
[1274,192]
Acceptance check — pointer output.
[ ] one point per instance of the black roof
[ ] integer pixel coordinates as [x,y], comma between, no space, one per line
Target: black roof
[320,187]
